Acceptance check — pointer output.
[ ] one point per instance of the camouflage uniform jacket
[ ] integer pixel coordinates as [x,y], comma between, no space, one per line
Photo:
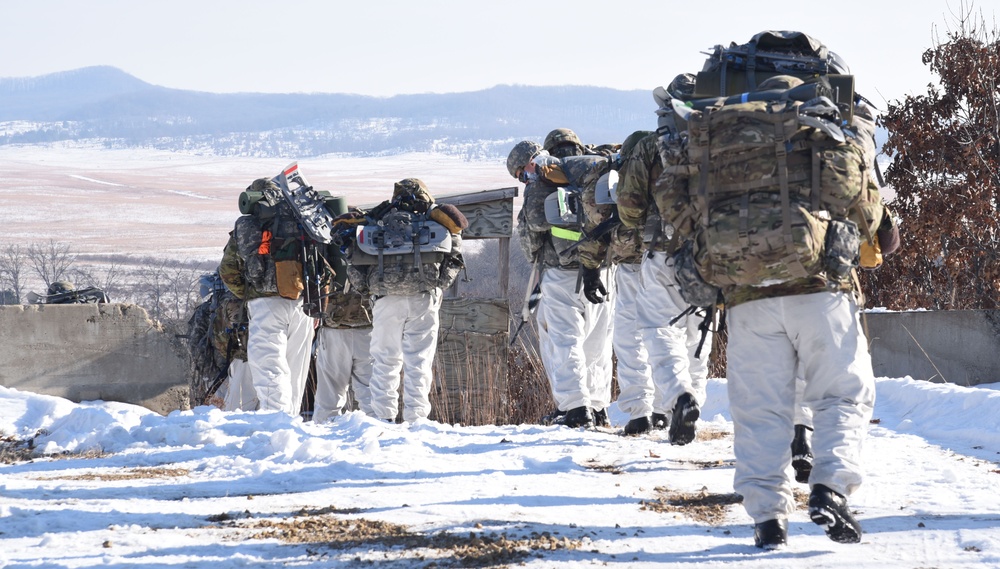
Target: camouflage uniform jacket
[347,310]
[552,244]
[639,201]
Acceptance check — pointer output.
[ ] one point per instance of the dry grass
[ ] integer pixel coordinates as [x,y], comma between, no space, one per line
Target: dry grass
[474,549]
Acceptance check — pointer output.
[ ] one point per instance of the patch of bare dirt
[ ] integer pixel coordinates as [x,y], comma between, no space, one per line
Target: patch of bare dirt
[475,549]
[711,435]
[704,506]
[129,474]
[13,450]
[592,464]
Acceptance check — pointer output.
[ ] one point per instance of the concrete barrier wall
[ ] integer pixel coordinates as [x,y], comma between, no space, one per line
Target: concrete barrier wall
[84,352]
[953,346]
[115,352]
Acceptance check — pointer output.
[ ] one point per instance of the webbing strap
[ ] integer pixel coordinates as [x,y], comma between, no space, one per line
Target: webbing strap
[815,192]
[703,142]
[781,154]
[567,234]
[415,238]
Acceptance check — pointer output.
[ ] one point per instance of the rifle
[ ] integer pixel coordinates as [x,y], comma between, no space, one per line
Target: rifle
[81,296]
[602,229]
[533,294]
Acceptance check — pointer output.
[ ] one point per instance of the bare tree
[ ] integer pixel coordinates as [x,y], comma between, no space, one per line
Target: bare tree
[13,263]
[946,174]
[50,261]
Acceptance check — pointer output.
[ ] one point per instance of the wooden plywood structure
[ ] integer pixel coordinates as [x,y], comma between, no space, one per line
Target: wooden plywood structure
[470,366]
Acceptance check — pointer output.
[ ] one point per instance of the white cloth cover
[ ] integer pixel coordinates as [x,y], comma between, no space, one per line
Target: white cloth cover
[574,340]
[278,350]
[343,360]
[635,379]
[671,348]
[404,337]
[769,340]
[240,394]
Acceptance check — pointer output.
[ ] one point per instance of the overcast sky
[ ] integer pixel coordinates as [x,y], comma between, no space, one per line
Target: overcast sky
[388,47]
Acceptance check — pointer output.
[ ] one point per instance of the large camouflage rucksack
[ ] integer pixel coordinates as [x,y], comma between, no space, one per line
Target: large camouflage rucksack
[280,252]
[771,191]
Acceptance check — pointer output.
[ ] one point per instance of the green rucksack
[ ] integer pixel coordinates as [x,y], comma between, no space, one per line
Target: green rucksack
[772,191]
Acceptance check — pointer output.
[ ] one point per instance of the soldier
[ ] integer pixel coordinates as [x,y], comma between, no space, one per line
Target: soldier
[406,296]
[678,356]
[574,325]
[793,317]
[343,355]
[280,332]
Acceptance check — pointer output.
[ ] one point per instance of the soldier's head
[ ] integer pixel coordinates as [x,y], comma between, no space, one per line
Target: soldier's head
[520,155]
[59,287]
[563,142]
[411,189]
[629,145]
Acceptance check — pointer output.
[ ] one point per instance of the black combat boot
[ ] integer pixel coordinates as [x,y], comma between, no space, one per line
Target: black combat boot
[829,509]
[553,418]
[579,417]
[659,421]
[637,426]
[771,534]
[802,456]
[601,418]
[682,420]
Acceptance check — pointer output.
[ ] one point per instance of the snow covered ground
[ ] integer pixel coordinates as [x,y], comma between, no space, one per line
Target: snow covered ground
[204,488]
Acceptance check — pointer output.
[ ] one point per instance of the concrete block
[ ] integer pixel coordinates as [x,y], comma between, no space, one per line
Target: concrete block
[946,346]
[84,352]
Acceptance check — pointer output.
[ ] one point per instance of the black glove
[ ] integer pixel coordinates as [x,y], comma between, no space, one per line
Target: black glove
[593,288]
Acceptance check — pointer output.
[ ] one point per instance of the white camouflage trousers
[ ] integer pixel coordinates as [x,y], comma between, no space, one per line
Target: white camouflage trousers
[404,337]
[671,348]
[240,394]
[769,339]
[574,337]
[635,380]
[343,360]
[278,351]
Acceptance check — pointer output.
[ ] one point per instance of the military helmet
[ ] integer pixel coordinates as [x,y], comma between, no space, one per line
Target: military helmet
[412,186]
[520,155]
[559,137]
[837,64]
[682,86]
[629,145]
[59,287]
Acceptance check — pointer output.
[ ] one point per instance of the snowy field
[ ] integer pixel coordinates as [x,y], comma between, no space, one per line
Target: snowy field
[204,488]
[148,203]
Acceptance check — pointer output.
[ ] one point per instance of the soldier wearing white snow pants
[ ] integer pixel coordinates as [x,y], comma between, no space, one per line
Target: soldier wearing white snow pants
[408,288]
[404,337]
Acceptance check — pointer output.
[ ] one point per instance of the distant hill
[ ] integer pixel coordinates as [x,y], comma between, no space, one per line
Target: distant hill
[107,104]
